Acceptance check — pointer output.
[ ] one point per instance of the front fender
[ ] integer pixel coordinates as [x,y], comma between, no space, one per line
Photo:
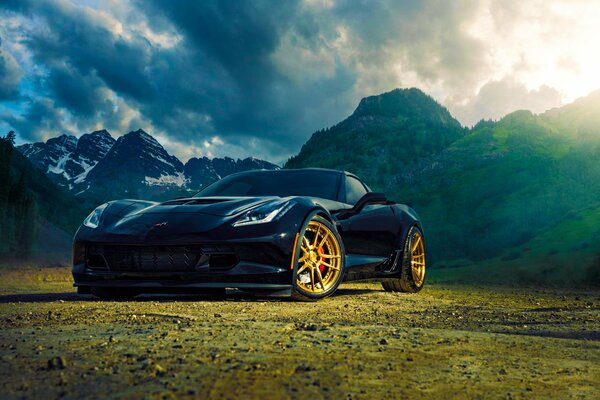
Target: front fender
[115,210]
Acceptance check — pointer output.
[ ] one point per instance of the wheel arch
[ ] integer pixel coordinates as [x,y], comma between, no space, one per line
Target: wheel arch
[408,218]
[313,210]
[310,215]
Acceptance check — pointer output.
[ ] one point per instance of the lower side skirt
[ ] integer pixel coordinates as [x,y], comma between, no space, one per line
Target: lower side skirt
[172,287]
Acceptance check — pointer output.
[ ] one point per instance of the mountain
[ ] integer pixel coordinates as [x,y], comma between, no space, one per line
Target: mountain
[383,133]
[66,159]
[134,162]
[203,171]
[98,167]
[485,193]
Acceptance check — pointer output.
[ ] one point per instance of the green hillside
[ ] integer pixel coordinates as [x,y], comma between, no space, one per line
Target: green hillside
[497,187]
[500,185]
[566,253]
[37,218]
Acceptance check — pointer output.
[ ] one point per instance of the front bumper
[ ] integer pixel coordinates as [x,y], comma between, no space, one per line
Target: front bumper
[167,267]
[243,276]
[275,280]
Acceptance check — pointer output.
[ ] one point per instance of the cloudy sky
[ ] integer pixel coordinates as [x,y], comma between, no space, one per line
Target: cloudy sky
[256,78]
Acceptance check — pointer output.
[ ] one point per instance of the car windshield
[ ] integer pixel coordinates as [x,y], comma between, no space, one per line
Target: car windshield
[282,183]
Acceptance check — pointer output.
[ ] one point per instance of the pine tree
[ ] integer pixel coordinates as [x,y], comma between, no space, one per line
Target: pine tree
[10,137]
[27,230]
[24,218]
[15,216]
[6,231]
[6,149]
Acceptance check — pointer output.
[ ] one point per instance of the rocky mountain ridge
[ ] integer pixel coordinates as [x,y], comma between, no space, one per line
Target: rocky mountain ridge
[135,164]
[383,135]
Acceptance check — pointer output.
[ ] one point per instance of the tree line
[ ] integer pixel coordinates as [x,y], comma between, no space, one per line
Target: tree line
[18,207]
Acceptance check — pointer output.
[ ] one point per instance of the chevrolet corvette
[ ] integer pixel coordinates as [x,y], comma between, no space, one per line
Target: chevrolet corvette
[296,233]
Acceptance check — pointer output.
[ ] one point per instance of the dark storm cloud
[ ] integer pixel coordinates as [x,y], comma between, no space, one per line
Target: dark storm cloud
[10,75]
[230,48]
[74,91]
[79,58]
[239,36]
[76,38]
[40,114]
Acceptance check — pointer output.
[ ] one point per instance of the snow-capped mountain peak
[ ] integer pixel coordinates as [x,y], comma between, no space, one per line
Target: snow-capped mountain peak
[62,158]
[134,165]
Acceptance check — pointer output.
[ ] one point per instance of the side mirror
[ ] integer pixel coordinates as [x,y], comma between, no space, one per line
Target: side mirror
[368,198]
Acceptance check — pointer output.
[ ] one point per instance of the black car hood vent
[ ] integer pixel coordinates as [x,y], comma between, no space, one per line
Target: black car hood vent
[191,202]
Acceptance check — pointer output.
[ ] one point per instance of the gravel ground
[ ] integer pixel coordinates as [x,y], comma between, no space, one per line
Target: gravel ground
[363,343]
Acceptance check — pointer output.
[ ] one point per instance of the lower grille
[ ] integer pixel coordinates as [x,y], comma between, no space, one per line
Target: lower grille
[124,258]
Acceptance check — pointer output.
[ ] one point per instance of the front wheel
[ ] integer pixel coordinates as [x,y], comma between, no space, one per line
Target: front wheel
[412,270]
[320,265]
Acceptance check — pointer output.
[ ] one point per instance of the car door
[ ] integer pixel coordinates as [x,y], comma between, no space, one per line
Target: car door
[373,231]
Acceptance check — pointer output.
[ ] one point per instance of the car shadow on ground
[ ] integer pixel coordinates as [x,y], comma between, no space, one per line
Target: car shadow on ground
[43,297]
[591,336]
[74,297]
[341,292]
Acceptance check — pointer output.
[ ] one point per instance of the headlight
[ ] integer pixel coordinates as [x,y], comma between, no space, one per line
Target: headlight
[93,220]
[266,213]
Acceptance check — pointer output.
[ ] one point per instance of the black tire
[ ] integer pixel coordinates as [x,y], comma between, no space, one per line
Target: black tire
[406,282]
[298,293]
[114,293]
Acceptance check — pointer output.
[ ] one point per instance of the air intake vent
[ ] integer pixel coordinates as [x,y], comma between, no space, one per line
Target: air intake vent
[222,261]
[143,258]
[128,258]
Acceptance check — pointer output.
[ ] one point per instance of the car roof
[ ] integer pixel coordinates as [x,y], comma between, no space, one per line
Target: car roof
[294,169]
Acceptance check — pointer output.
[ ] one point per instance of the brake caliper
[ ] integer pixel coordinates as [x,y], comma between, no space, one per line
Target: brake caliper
[321,266]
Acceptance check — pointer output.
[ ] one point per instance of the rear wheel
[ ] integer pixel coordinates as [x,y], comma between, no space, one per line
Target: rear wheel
[320,265]
[412,270]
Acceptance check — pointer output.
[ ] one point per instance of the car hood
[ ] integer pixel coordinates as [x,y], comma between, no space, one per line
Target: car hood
[141,218]
[217,206]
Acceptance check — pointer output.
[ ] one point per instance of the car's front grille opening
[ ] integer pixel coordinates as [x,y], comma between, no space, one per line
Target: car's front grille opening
[131,258]
[222,261]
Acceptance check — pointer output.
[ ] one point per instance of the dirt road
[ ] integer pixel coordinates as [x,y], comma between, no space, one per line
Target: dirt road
[363,343]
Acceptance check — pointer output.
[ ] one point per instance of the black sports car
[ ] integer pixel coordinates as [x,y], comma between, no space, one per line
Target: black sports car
[285,232]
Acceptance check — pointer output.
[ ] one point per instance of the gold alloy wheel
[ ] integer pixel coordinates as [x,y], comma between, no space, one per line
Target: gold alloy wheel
[320,259]
[417,259]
